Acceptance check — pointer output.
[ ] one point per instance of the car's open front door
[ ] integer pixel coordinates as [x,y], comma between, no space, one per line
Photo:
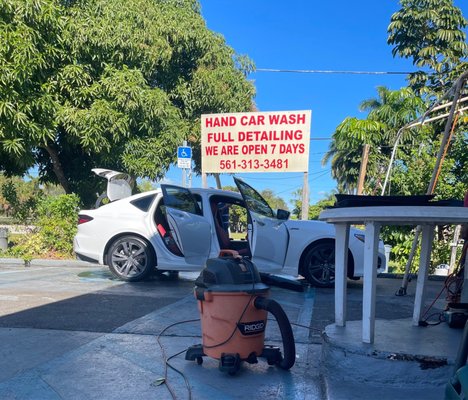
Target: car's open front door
[191,231]
[268,235]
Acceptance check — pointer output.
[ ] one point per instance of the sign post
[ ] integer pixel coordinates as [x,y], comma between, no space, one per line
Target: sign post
[184,160]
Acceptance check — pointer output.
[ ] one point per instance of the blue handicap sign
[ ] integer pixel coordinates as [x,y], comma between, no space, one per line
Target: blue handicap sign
[184,152]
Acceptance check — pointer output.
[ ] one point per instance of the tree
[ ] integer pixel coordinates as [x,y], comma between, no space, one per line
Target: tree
[18,198]
[314,209]
[430,33]
[387,113]
[93,83]
[275,202]
[345,150]
[29,51]
[317,208]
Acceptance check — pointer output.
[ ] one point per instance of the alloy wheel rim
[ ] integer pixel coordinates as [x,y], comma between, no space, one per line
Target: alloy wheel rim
[322,265]
[129,258]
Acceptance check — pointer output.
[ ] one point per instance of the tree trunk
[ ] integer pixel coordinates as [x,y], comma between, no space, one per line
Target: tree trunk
[57,167]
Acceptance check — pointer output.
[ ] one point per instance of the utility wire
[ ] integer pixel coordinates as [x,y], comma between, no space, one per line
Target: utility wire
[317,71]
[249,178]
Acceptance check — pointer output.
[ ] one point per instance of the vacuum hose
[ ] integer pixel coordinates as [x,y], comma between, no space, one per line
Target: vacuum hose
[289,347]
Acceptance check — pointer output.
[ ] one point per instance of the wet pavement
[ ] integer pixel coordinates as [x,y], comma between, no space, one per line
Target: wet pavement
[71,331]
[74,333]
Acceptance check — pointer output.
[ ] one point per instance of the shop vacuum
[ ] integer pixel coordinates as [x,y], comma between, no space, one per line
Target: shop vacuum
[234,305]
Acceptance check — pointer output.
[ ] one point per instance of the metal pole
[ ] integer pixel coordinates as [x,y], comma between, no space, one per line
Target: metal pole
[411,124]
[435,173]
[305,198]
[218,181]
[184,170]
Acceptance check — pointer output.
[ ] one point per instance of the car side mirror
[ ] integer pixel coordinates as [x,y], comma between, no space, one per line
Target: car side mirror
[282,214]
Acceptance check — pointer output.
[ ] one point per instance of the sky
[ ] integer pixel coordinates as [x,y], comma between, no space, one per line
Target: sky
[339,35]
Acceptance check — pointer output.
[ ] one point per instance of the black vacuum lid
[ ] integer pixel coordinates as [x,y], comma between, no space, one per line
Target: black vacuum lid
[230,274]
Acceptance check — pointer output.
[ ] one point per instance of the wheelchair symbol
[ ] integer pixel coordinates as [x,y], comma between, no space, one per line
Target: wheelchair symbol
[184,152]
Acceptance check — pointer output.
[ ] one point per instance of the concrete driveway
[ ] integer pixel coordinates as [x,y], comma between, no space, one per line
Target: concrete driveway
[72,332]
[81,298]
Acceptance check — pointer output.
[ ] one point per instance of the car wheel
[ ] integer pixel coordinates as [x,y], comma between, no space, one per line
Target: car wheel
[319,265]
[130,258]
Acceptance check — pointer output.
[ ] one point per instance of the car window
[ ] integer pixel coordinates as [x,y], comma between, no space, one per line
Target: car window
[199,201]
[255,202]
[230,215]
[181,199]
[143,203]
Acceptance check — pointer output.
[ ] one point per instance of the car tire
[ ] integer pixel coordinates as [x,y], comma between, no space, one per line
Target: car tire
[319,265]
[130,258]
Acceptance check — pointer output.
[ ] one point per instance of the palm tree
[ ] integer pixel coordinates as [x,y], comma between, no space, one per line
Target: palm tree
[345,150]
[394,108]
[386,114]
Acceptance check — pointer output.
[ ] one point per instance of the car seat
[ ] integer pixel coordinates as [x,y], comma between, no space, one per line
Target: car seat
[222,233]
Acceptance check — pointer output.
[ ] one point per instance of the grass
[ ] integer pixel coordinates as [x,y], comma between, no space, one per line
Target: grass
[238,235]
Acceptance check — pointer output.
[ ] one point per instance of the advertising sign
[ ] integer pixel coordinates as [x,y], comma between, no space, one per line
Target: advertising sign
[274,141]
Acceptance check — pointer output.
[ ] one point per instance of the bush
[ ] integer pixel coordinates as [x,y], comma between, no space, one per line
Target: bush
[57,218]
[54,231]
[21,198]
[401,240]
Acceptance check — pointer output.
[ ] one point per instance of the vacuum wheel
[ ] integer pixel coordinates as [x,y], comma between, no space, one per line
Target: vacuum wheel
[230,363]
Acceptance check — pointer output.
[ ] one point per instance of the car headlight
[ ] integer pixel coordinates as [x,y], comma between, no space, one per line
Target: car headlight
[362,238]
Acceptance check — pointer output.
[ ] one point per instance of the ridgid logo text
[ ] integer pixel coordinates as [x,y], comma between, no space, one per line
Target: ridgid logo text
[251,328]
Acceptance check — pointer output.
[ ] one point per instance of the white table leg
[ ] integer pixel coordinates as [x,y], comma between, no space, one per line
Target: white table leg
[426,247]
[371,247]
[341,263]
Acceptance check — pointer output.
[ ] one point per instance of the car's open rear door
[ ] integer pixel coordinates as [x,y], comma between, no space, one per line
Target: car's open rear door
[191,231]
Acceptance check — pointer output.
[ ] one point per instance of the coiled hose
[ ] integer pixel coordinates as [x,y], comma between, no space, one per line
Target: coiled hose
[289,347]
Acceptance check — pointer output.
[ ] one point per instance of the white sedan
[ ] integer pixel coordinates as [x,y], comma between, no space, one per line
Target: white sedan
[178,229]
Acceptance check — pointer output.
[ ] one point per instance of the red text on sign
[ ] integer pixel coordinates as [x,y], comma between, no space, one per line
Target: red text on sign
[214,122]
[291,148]
[284,119]
[230,150]
[211,151]
[252,120]
[218,137]
[254,149]
[249,136]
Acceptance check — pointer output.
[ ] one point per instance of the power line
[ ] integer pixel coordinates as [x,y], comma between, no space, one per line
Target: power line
[317,71]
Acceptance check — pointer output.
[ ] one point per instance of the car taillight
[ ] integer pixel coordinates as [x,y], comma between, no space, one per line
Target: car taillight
[84,218]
